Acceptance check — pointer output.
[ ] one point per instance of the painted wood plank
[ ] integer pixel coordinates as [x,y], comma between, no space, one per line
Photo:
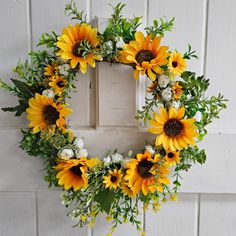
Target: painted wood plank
[116,91]
[81,101]
[217,215]
[102,226]
[14,46]
[216,176]
[18,214]
[55,20]
[174,218]
[220,59]
[52,218]
[18,171]
[189,25]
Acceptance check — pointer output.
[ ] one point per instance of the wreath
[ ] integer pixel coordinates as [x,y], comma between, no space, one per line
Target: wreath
[176,110]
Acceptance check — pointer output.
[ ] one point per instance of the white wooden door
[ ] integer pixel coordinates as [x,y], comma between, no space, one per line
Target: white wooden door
[104,109]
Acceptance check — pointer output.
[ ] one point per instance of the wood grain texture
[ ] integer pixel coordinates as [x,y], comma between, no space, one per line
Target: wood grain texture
[220,60]
[13,46]
[18,214]
[217,215]
[175,218]
[52,218]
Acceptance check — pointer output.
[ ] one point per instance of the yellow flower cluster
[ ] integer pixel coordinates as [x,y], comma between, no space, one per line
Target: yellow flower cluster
[149,57]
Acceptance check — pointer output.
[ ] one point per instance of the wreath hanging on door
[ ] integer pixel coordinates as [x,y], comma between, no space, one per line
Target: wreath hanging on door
[175,109]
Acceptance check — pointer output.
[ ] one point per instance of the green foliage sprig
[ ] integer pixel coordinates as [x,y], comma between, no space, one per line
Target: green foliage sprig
[49,40]
[72,10]
[160,27]
[195,100]
[190,54]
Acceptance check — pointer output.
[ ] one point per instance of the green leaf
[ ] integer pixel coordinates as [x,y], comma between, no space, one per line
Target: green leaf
[25,89]
[177,183]
[18,109]
[105,198]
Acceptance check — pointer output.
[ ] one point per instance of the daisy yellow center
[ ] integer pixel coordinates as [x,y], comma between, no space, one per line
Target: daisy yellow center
[143,169]
[174,64]
[76,170]
[144,55]
[50,115]
[60,84]
[113,178]
[170,155]
[173,127]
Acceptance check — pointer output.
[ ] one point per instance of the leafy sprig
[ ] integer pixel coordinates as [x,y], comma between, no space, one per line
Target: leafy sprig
[145,112]
[49,40]
[195,101]
[190,54]
[160,27]
[72,10]
[119,26]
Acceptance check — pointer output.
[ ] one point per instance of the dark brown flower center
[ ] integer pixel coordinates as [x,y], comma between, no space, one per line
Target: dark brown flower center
[50,115]
[144,167]
[173,127]
[76,50]
[113,178]
[60,84]
[76,170]
[174,64]
[170,155]
[144,55]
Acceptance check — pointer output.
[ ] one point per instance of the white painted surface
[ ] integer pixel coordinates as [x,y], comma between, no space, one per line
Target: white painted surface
[115,93]
[102,227]
[221,44]
[13,46]
[116,100]
[218,215]
[52,218]
[18,214]
[174,218]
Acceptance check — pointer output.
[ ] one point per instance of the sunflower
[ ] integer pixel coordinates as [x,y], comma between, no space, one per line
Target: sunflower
[73,173]
[172,157]
[51,70]
[58,83]
[77,44]
[177,64]
[177,90]
[174,131]
[146,54]
[113,179]
[43,113]
[128,190]
[144,174]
